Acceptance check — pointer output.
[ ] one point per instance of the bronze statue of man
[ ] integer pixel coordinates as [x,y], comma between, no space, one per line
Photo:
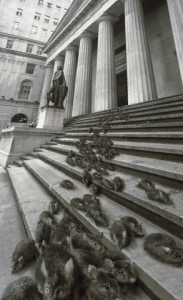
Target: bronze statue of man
[58,91]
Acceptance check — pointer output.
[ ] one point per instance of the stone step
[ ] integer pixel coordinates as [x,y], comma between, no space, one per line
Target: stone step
[159,103]
[159,148]
[155,137]
[151,272]
[18,163]
[140,112]
[26,157]
[33,154]
[168,217]
[31,208]
[37,150]
[11,233]
[51,143]
[122,126]
[31,197]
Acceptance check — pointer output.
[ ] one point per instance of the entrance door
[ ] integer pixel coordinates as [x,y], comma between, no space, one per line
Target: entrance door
[122,91]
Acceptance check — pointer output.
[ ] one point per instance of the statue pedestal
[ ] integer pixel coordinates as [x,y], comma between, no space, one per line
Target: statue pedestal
[51,117]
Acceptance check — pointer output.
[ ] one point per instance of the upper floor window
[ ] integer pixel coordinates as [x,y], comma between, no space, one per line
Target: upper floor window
[30,68]
[25,91]
[9,44]
[29,48]
[44,31]
[16,25]
[34,29]
[49,5]
[37,16]
[40,2]
[39,50]
[58,8]
[19,11]
[65,9]
[46,19]
[55,22]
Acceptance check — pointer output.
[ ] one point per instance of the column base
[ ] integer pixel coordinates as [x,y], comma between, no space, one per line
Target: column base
[51,117]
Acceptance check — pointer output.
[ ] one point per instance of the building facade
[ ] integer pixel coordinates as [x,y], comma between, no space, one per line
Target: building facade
[25,26]
[116,53]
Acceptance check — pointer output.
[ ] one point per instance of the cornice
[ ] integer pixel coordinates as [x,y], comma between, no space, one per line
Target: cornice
[14,36]
[20,53]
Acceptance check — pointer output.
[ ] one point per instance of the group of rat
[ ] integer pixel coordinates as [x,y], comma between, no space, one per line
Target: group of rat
[72,264]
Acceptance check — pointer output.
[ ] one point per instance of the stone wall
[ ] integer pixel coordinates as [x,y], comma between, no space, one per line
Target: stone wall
[9,108]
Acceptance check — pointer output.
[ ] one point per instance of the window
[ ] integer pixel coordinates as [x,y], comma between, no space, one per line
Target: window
[29,48]
[19,12]
[44,31]
[40,2]
[19,118]
[34,29]
[58,8]
[55,22]
[49,5]
[16,25]
[47,19]
[30,69]
[22,0]
[9,44]
[37,16]
[65,9]
[25,90]
[39,50]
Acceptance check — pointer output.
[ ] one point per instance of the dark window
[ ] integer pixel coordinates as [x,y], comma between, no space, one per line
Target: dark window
[22,0]
[16,25]
[40,2]
[30,69]
[46,19]
[49,5]
[39,50]
[44,31]
[55,22]
[24,92]
[19,118]
[34,29]
[58,8]
[19,11]
[29,48]
[9,44]
[37,16]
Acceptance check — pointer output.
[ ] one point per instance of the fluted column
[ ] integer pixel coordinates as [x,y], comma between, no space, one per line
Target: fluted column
[105,91]
[176,17]
[140,75]
[46,84]
[70,74]
[82,92]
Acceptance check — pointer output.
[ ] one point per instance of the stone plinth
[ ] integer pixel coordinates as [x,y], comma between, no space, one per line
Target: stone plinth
[18,141]
[51,118]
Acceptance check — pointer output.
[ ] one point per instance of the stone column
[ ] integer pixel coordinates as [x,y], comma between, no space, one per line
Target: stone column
[46,83]
[82,92]
[70,74]
[105,91]
[176,17]
[140,75]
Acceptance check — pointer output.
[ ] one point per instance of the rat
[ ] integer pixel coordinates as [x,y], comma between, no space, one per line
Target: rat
[118,184]
[78,203]
[158,195]
[164,248]
[22,288]
[97,176]
[94,189]
[120,235]
[67,184]
[86,178]
[146,185]
[107,184]
[132,225]
[24,252]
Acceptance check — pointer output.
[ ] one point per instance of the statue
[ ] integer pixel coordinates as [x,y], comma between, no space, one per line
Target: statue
[59,90]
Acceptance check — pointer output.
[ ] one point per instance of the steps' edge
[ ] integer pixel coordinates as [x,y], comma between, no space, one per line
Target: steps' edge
[141,274]
[173,225]
[22,216]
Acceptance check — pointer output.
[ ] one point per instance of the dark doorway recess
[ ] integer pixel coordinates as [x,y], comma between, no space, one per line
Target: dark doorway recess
[122,90]
[19,118]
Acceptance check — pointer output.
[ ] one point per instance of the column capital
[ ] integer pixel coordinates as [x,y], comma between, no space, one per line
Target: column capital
[87,34]
[59,57]
[72,47]
[107,17]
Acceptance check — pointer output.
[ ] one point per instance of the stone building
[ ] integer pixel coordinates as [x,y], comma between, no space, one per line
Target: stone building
[25,26]
[116,53]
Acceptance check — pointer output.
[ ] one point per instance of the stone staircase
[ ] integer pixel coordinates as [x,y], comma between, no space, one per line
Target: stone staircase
[150,145]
